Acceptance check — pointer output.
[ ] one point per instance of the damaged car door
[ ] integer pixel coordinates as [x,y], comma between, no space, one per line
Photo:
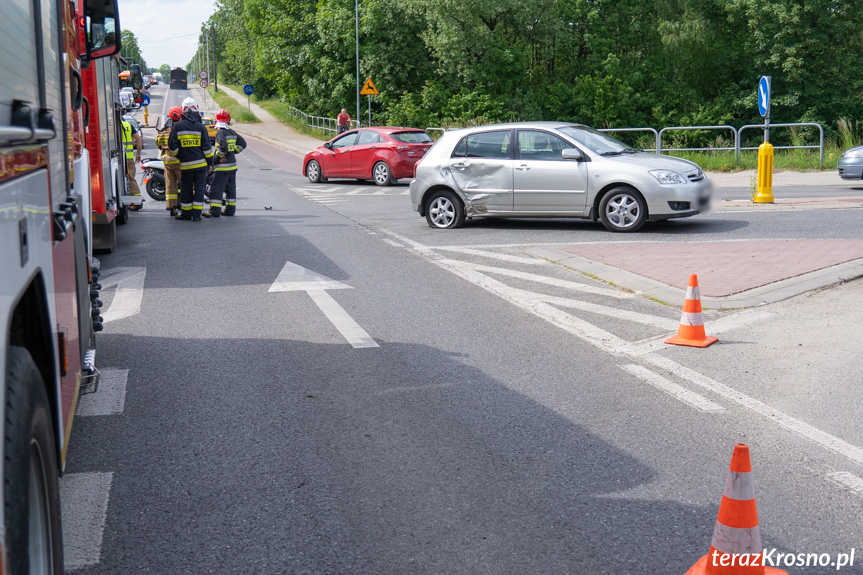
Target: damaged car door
[481,166]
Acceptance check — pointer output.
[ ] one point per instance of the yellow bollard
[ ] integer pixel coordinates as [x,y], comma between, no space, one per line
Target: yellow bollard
[764,191]
[146,116]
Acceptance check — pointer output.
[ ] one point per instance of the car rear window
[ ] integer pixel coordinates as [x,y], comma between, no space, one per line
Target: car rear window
[206,121]
[412,137]
[484,145]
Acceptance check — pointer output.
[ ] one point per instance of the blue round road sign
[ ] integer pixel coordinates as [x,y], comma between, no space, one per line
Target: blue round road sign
[764,95]
[248,90]
[145,100]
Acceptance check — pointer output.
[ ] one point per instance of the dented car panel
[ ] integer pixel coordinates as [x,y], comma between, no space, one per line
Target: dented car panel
[484,183]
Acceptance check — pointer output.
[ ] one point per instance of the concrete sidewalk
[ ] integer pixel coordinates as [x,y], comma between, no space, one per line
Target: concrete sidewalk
[271,130]
[731,274]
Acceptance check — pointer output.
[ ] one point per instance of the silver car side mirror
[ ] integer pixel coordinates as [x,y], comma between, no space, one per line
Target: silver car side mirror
[572,154]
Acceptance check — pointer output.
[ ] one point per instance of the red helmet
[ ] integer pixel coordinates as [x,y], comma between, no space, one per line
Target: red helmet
[223,116]
[175,113]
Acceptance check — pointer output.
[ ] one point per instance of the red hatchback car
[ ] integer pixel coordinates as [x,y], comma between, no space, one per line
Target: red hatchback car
[382,154]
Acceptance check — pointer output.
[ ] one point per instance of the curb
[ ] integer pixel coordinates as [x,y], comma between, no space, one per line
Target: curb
[762,295]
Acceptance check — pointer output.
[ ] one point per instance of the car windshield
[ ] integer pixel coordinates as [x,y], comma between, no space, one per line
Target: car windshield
[207,121]
[412,137]
[596,141]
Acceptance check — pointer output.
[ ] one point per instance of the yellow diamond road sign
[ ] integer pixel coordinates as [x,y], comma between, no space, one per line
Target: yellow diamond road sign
[369,88]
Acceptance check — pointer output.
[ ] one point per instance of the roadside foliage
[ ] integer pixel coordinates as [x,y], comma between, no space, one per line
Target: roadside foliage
[607,63]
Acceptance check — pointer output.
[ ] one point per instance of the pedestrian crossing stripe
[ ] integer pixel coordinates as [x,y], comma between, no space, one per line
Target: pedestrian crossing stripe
[369,88]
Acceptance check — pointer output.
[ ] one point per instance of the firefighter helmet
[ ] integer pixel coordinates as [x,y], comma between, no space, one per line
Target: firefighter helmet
[223,116]
[175,113]
[190,105]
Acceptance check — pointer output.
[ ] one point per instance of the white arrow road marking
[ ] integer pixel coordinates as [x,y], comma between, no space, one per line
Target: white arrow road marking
[352,332]
[614,345]
[297,278]
[677,391]
[83,507]
[111,396]
[129,294]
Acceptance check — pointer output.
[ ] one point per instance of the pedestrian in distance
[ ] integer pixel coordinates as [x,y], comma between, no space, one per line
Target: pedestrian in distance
[344,121]
[190,144]
[172,164]
[228,145]
[133,154]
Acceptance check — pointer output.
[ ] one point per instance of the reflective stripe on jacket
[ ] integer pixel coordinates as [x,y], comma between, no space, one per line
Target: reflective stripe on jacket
[162,143]
[228,144]
[127,140]
[190,144]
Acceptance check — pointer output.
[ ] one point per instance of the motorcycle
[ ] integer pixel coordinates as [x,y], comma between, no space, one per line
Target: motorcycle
[154,178]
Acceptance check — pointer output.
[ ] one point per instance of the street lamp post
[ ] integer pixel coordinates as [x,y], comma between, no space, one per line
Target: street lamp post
[357,13]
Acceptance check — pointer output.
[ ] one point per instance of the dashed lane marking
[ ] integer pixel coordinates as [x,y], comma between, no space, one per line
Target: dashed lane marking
[84,507]
[110,399]
[571,285]
[847,480]
[676,391]
[498,256]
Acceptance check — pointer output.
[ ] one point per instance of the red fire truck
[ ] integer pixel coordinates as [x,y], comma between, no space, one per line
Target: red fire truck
[49,307]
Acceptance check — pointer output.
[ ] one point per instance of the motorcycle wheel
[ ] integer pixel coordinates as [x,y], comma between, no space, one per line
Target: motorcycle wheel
[156,189]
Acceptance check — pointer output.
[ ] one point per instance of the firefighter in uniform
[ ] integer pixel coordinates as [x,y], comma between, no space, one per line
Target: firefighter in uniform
[190,144]
[228,144]
[131,135]
[172,164]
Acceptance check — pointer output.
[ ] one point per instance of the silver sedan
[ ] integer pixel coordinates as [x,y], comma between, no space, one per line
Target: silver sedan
[552,169]
[851,164]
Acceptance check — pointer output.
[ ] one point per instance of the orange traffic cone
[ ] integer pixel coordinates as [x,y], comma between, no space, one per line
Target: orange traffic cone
[691,330]
[736,545]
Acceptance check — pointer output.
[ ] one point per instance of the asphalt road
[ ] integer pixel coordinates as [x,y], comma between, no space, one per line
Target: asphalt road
[488,432]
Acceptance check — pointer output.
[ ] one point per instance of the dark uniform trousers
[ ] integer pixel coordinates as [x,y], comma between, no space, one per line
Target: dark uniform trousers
[193,184]
[224,182]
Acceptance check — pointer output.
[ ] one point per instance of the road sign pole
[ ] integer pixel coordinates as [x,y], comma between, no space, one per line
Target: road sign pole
[767,115]
[370,110]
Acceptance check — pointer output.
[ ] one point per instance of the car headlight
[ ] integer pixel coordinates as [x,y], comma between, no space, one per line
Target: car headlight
[858,153]
[667,176]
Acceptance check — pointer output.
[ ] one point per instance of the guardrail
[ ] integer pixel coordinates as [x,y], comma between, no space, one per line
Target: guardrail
[319,122]
[736,147]
[820,145]
[737,137]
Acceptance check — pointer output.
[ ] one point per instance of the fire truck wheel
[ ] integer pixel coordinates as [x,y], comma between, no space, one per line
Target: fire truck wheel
[31,490]
[123,215]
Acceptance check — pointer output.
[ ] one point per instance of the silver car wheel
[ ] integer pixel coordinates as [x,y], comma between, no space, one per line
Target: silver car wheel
[442,212]
[623,211]
[313,172]
[381,174]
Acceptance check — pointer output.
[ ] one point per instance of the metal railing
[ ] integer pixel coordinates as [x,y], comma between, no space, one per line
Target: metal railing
[736,147]
[737,138]
[820,145]
[655,134]
[322,123]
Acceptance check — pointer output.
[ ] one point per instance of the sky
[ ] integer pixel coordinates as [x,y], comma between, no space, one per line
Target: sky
[167,30]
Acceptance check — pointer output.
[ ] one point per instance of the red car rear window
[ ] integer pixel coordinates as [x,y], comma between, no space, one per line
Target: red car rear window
[412,137]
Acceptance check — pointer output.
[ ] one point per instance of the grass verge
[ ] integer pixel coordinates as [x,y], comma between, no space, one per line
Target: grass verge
[281,112]
[235,109]
[794,160]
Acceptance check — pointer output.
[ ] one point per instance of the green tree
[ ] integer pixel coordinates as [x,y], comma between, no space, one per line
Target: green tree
[130,50]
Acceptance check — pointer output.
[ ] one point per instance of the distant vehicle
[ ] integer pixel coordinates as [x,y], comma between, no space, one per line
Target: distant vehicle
[380,154]
[178,79]
[541,169]
[851,164]
[157,77]
[210,124]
